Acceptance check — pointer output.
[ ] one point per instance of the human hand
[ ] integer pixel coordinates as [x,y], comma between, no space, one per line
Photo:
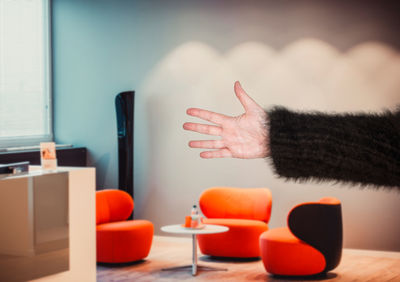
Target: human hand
[244,136]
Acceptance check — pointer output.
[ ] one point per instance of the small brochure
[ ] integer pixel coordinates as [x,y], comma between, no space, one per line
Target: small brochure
[48,158]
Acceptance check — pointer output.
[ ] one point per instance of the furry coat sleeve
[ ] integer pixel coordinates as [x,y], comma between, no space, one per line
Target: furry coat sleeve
[356,148]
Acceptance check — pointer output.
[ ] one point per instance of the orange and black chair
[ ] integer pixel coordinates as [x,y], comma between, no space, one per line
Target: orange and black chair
[120,240]
[246,211]
[310,245]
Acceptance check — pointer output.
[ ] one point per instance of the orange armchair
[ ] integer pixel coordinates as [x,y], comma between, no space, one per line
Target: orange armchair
[120,240]
[246,211]
[310,245]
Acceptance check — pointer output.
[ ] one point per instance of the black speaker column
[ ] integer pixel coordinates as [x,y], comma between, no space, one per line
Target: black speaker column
[124,105]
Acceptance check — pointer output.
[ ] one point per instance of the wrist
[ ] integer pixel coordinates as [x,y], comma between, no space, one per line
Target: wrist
[266,127]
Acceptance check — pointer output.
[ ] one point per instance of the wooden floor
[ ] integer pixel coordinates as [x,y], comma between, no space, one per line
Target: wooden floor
[356,265]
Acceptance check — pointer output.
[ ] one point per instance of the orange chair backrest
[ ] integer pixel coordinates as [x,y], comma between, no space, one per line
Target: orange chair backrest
[329,201]
[113,205]
[240,203]
[319,224]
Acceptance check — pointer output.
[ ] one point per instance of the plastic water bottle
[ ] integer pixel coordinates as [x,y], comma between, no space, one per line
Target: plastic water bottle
[195,216]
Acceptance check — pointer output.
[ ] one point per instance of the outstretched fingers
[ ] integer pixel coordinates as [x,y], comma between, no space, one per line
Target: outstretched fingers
[203,128]
[207,115]
[222,153]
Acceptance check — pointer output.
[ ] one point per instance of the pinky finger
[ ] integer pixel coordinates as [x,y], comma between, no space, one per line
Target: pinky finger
[222,153]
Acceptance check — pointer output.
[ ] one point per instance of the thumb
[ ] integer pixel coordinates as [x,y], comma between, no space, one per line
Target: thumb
[247,102]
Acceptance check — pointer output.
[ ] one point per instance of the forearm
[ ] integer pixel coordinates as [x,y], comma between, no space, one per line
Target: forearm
[359,148]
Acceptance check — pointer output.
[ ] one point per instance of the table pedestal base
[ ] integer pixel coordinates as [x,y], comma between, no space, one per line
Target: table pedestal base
[195,268]
[209,229]
[194,265]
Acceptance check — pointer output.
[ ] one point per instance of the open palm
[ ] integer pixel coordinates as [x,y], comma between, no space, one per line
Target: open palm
[243,136]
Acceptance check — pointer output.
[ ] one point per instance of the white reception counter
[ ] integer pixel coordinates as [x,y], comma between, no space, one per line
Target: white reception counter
[47,224]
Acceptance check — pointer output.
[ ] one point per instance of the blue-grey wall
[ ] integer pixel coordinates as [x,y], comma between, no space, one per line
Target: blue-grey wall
[103,47]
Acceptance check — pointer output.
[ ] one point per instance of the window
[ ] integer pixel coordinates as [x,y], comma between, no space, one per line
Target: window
[25,100]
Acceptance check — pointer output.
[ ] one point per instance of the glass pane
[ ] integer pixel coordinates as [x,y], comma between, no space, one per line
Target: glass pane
[24,56]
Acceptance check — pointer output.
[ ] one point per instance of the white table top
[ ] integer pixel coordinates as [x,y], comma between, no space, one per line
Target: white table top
[208,229]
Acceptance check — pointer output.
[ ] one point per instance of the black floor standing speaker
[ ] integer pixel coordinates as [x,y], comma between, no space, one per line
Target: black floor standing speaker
[124,106]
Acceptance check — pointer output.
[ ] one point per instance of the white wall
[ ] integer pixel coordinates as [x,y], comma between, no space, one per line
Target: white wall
[308,74]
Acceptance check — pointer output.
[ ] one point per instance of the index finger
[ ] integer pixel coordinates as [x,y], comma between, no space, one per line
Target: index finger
[207,115]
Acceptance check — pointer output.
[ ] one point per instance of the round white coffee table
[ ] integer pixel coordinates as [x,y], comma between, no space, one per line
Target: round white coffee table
[208,229]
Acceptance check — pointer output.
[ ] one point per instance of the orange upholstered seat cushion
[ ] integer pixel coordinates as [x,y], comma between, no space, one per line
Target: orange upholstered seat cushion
[124,240]
[240,241]
[284,254]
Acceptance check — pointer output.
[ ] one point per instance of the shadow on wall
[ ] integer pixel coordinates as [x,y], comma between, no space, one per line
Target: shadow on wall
[308,74]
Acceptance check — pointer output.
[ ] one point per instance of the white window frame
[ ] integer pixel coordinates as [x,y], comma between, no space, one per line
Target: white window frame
[33,141]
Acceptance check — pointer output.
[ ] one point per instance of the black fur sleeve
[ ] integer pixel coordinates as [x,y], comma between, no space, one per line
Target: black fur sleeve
[357,148]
